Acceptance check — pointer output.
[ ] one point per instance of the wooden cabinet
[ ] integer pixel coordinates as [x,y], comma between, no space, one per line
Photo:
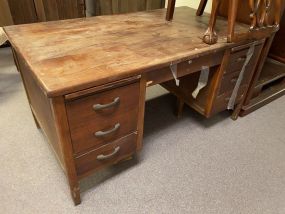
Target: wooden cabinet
[107,7]
[17,12]
[29,11]
[49,10]
[5,14]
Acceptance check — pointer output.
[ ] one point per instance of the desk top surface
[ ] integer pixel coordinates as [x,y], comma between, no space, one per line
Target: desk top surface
[71,55]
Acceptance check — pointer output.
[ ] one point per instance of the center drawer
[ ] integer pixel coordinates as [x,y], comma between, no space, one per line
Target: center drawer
[101,118]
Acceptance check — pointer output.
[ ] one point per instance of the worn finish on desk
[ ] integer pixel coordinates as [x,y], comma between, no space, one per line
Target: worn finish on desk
[76,70]
[109,48]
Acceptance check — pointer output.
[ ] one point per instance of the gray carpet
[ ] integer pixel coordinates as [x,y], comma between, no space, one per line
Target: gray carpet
[187,165]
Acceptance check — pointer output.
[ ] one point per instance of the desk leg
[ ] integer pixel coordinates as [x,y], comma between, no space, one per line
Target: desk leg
[15,59]
[140,123]
[62,128]
[179,107]
[36,120]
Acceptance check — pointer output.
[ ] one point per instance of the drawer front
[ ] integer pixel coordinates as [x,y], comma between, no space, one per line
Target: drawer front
[221,102]
[106,155]
[196,64]
[237,59]
[101,118]
[229,80]
[184,68]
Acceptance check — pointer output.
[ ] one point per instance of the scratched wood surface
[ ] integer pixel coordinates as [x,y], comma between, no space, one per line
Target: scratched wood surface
[71,55]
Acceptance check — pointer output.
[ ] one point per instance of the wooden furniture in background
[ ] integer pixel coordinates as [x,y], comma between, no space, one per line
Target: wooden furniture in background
[268,83]
[67,71]
[108,7]
[50,10]
[5,14]
[264,15]
[29,11]
[17,12]
[262,21]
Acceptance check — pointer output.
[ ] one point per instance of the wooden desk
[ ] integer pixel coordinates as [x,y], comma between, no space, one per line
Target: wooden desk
[86,78]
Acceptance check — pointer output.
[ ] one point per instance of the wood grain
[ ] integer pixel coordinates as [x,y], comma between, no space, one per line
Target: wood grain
[65,56]
[23,11]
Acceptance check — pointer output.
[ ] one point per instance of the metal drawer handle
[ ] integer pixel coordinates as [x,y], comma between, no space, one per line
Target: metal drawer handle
[103,133]
[97,107]
[234,80]
[104,157]
[241,59]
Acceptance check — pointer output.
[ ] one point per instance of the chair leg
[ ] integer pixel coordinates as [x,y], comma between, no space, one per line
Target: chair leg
[236,112]
[232,14]
[170,10]
[210,37]
[201,7]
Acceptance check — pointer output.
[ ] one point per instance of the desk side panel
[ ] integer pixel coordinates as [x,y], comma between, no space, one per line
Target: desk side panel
[41,107]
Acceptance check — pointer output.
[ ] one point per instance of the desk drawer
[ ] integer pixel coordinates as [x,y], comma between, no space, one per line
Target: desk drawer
[229,81]
[184,68]
[222,100]
[106,155]
[103,117]
[238,57]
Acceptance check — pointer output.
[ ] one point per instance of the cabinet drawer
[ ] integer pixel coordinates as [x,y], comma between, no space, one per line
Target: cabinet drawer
[103,117]
[184,68]
[106,155]
[229,80]
[238,57]
[221,102]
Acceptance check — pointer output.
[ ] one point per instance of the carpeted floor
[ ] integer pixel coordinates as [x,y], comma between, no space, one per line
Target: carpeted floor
[188,165]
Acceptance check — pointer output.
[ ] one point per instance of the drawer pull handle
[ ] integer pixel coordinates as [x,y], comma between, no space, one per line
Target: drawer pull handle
[105,157]
[103,133]
[241,59]
[234,80]
[97,107]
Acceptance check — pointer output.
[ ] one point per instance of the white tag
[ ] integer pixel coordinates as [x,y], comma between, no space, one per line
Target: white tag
[232,100]
[203,81]
[173,68]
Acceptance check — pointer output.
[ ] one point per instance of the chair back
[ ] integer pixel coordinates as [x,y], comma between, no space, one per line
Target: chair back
[262,16]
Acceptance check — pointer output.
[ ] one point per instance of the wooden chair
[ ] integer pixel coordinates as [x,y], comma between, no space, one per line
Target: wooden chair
[262,24]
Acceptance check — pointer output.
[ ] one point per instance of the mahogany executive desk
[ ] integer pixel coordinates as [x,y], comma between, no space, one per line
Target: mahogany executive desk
[86,79]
